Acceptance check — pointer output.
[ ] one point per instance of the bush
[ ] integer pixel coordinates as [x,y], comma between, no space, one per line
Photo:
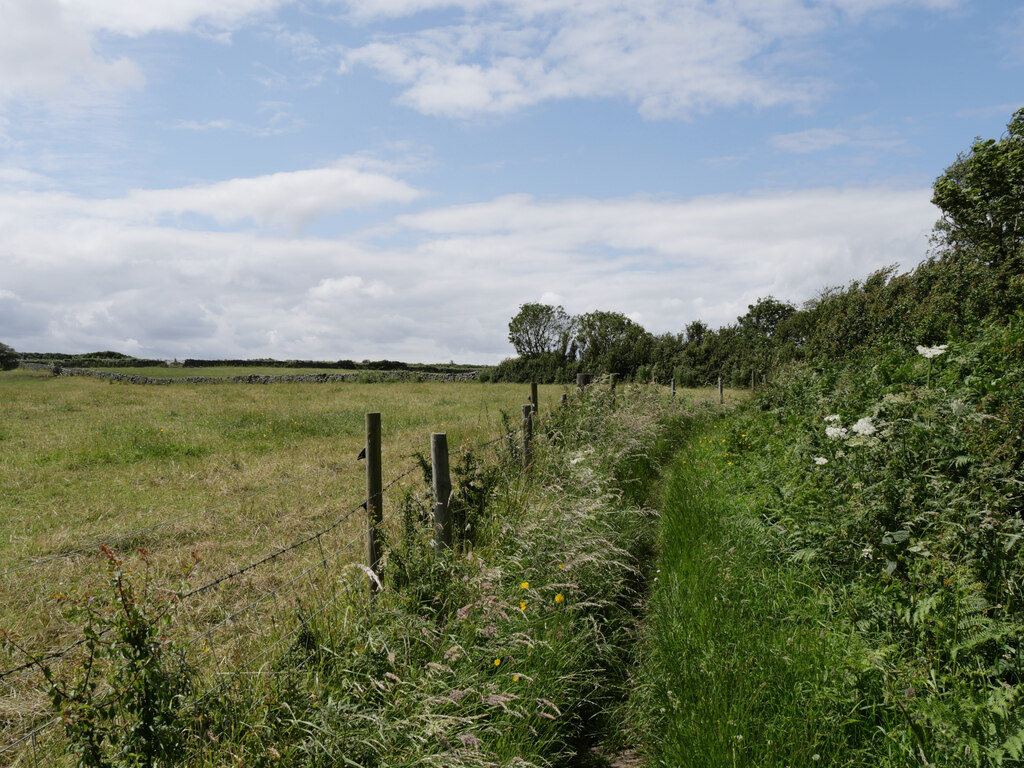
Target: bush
[8,358]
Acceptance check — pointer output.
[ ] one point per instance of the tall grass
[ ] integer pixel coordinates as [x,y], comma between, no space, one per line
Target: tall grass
[745,663]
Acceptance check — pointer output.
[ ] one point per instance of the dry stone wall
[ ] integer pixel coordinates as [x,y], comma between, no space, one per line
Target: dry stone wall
[308,378]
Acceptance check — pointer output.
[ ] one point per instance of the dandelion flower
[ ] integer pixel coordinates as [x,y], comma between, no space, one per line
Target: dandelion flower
[820,460]
[522,606]
[559,598]
[515,678]
[524,585]
[497,662]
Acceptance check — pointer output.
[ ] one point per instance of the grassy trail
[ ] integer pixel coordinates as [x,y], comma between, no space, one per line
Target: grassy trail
[746,664]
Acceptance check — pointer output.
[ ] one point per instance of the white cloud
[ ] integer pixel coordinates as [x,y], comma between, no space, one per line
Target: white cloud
[823,139]
[670,59]
[288,199]
[45,56]
[139,18]
[50,50]
[77,278]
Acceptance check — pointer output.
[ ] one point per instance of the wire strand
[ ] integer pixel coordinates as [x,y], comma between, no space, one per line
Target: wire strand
[145,529]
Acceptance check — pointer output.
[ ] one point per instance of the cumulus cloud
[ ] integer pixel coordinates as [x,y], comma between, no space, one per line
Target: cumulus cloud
[45,56]
[50,50]
[289,199]
[77,280]
[670,59]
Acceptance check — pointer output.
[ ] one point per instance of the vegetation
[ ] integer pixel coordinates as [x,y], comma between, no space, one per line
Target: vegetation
[8,358]
[841,562]
[975,275]
[507,650]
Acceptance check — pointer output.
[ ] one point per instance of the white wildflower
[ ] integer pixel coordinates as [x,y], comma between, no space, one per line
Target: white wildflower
[819,460]
[864,426]
[834,418]
[868,552]
[930,352]
[835,433]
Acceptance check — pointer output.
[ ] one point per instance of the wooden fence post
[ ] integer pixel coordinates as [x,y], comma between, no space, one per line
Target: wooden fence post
[441,482]
[374,496]
[565,400]
[533,395]
[721,392]
[527,435]
[673,387]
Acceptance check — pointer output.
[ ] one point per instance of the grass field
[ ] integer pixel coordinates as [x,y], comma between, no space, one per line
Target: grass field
[83,460]
[250,469]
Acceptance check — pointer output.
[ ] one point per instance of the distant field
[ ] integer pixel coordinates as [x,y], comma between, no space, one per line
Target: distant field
[223,372]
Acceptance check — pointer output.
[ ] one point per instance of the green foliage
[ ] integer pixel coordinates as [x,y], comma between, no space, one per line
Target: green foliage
[8,358]
[612,343]
[982,195]
[541,329]
[121,702]
[892,479]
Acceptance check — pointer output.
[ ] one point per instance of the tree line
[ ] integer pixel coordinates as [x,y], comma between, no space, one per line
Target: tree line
[975,273]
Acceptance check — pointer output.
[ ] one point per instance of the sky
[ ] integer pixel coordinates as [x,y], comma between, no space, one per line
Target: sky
[393,179]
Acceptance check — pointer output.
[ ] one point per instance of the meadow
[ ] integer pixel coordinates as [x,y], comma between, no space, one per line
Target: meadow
[247,468]
[205,480]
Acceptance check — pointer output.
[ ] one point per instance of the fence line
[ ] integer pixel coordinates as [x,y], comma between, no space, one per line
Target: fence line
[145,529]
[238,668]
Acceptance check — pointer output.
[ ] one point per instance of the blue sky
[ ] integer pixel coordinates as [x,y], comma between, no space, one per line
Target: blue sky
[393,178]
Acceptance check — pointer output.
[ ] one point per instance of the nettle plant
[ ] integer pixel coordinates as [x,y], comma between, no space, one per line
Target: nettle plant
[120,701]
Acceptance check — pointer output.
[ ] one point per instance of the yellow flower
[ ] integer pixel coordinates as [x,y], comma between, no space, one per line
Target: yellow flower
[525,585]
[561,566]
[522,606]
[515,678]
[559,598]
[497,662]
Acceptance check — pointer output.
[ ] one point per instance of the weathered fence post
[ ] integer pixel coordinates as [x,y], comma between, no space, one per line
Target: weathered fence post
[374,496]
[721,392]
[673,387]
[533,395]
[565,400]
[751,378]
[581,381]
[441,483]
[527,435]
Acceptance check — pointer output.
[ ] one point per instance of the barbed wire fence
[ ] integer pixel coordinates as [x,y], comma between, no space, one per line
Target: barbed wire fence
[335,575]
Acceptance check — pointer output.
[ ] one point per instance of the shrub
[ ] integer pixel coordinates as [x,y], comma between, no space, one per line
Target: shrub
[8,358]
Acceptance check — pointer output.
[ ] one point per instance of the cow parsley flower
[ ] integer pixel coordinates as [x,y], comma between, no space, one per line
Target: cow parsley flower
[835,433]
[930,352]
[820,460]
[833,419]
[864,427]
